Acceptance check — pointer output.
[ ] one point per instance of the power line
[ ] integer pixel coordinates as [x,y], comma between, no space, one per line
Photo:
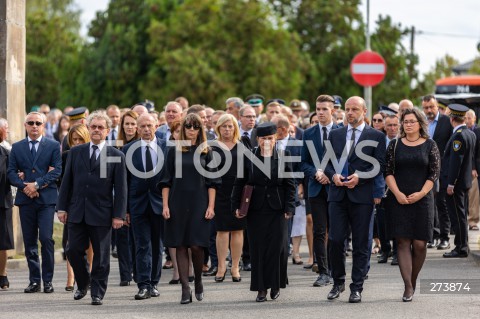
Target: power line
[420,32]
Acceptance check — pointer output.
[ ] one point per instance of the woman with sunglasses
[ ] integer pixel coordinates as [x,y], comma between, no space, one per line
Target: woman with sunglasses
[378,122]
[271,204]
[187,222]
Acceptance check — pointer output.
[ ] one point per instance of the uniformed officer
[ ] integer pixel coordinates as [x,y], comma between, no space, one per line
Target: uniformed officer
[76,116]
[456,177]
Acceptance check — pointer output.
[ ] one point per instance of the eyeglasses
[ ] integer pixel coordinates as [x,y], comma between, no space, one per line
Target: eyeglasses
[409,122]
[196,127]
[95,127]
[377,120]
[32,123]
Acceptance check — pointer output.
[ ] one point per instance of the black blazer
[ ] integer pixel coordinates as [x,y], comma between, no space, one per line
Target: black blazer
[476,154]
[363,192]
[6,199]
[442,133]
[457,162]
[278,192]
[86,195]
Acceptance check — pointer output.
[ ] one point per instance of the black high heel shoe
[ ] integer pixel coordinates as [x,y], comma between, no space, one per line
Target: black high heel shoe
[199,292]
[262,296]
[4,284]
[221,279]
[235,279]
[186,299]
[296,262]
[174,282]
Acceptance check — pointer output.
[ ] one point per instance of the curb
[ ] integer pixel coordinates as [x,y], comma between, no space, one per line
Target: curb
[22,263]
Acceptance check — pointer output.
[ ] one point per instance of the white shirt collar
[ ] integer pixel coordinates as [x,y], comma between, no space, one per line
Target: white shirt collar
[152,143]
[457,127]
[328,126]
[39,139]
[100,146]
[358,128]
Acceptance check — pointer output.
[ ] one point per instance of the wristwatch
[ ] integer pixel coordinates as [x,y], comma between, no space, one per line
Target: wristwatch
[36,186]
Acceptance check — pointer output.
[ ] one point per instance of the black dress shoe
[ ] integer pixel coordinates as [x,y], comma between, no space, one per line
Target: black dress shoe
[174,282]
[4,284]
[247,267]
[455,254]
[79,294]
[142,294]
[114,253]
[355,297]
[33,287]
[383,259]
[444,244]
[394,260]
[191,278]
[336,291]
[211,272]
[96,301]
[261,296]
[322,280]
[47,287]
[433,243]
[154,292]
[186,297]
[274,294]
[124,283]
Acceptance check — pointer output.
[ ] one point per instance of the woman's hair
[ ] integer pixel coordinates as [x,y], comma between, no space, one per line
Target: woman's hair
[225,118]
[173,127]
[194,119]
[63,118]
[421,121]
[121,133]
[81,130]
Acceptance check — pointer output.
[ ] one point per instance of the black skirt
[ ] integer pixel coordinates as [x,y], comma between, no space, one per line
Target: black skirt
[6,229]
[268,239]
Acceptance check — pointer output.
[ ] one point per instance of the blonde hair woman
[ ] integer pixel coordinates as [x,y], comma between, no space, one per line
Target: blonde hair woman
[226,224]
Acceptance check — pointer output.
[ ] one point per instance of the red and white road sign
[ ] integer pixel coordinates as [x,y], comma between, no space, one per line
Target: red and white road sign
[368,68]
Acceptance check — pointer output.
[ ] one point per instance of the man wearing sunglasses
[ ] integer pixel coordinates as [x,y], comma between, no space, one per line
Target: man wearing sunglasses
[39,159]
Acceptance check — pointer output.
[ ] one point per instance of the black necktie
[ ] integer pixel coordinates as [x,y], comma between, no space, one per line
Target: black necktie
[148,160]
[352,143]
[113,135]
[245,134]
[324,136]
[33,150]
[93,158]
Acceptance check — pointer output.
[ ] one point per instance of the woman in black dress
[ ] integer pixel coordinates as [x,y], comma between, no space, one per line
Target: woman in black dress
[228,134]
[413,165]
[189,202]
[271,204]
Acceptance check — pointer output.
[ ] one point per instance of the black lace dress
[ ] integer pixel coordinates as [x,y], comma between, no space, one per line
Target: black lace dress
[412,166]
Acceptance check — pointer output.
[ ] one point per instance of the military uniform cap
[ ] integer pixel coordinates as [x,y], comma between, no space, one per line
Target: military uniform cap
[296,105]
[279,101]
[458,110]
[77,113]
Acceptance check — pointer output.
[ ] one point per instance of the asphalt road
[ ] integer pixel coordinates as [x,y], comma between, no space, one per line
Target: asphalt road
[381,298]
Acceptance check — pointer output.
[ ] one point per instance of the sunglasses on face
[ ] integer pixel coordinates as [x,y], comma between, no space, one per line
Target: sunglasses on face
[196,127]
[31,123]
[377,120]
[99,127]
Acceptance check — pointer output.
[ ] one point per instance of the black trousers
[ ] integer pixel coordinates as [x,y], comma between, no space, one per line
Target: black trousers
[126,252]
[443,214]
[458,216]
[146,228]
[359,217]
[319,208]
[79,237]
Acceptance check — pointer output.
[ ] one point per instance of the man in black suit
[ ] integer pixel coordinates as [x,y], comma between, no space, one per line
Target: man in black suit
[247,125]
[144,163]
[350,197]
[318,182]
[456,177]
[92,200]
[39,159]
[440,130]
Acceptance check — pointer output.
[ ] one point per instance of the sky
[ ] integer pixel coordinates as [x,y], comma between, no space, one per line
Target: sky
[449,26]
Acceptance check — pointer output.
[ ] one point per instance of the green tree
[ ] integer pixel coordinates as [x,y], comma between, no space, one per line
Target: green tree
[208,50]
[396,86]
[53,44]
[475,69]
